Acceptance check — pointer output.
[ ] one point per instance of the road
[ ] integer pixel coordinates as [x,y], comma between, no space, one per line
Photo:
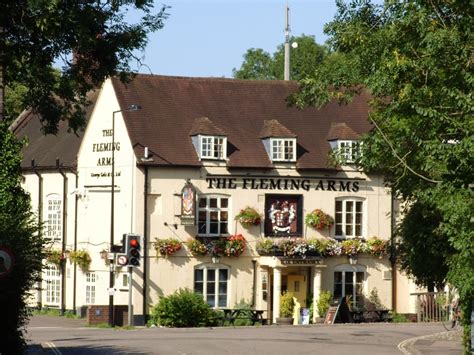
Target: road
[73,337]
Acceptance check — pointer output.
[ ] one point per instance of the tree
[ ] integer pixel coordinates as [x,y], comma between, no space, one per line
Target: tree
[19,235]
[260,65]
[90,37]
[415,59]
[94,42]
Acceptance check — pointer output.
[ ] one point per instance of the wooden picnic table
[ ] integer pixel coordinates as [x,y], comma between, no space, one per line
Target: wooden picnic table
[232,314]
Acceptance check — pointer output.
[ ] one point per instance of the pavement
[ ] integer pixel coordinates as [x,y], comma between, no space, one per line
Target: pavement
[445,343]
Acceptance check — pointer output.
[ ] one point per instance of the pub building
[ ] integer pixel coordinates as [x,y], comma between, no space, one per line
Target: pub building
[183,158]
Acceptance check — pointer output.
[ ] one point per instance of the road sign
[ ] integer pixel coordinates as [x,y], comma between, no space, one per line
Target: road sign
[6,261]
[122,259]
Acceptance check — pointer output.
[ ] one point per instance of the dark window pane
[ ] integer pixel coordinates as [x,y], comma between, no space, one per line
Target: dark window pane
[213,202]
[211,275]
[349,206]
[338,206]
[360,277]
[198,275]
[211,300]
[349,277]
[202,228]
[339,229]
[198,287]
[222,300]
[223,216]
[348,230]
[202,202]
[359,218]
[348,289]
[222,288]
[338,276]
[358,230]
[337,290]
[202,216]
[224,202]
[223,275]
[358,206]
[224,228]
[211,288]
[213,228]
[338,217]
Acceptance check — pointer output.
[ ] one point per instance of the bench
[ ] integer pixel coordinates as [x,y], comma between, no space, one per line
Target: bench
[231,315]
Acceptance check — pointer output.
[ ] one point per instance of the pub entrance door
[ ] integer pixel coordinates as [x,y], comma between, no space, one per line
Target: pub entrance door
[297,284]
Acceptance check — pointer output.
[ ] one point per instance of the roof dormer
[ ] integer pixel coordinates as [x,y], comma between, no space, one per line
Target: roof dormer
[209,140]
[344,141]
[279,141]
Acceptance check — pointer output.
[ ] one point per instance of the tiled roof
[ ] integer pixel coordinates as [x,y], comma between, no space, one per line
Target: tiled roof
[273,129]
[170,106]
[341,131]
[204,125]
[46,149]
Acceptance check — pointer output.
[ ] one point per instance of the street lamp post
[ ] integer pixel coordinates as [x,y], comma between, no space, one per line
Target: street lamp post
[112,215]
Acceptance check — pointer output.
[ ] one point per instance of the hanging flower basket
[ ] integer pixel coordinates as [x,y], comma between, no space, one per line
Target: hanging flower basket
[248,217]
[234,245]
[81,258]
[196,247]
[55,257]
[166,247]
[318,219]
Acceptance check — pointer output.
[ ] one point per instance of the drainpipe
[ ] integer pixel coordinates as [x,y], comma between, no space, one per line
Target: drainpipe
[145,246]
[64,237]
[393,259]
[74,280]
[39,296]
[254,288]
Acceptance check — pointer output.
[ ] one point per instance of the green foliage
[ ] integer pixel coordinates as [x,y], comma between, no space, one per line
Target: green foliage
[167,246]
[184,308]
[196,247]
[318,219]
[19,232]
[324,302]
[38,33]
[260,65]
[81,258]
[415,59]
[55,256]
[245,306]
[287,305]
[374,299]
[398,318]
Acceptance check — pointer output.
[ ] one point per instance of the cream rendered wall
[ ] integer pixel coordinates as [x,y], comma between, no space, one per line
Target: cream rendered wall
[94,211]
[169,274]
[53,183]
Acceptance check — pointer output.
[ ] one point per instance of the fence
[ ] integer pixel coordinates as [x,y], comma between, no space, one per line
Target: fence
[432,306]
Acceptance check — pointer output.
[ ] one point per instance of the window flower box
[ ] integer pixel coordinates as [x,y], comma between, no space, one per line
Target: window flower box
[166,247]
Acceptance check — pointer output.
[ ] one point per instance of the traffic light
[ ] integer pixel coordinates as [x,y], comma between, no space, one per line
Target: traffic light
[132,249]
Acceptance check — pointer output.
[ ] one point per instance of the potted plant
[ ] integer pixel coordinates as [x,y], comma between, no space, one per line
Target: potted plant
[166,247]
[323,304]
[248,217]
[265,246]
[378,247]
[318,219]
[81,258]
[55,257]
[234,245]
[287,307]
[196,247]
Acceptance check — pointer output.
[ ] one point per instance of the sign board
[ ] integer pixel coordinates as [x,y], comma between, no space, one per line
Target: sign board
[188,204]
[309,260]
[331,314]
[6,261]
[304,319]
[122,259]
[111,291]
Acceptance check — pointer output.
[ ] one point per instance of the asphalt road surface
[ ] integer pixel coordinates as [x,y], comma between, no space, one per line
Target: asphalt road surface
[65,336]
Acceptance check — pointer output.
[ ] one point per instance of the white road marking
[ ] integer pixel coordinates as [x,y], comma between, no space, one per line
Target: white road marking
[411,341]
[53,348]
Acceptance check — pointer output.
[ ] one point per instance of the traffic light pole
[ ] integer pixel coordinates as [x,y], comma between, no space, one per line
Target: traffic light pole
[130,312]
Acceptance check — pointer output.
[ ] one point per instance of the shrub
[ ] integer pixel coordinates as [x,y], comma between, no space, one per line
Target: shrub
[399,318]
[184,308]
[287,305]
[324,302]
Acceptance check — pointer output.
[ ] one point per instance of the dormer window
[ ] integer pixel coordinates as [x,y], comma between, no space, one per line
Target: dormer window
[348,151]
[213,147]
[283,149]
[209,140]
[279,141]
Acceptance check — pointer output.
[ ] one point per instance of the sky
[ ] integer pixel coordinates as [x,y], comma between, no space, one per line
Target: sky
[209,38]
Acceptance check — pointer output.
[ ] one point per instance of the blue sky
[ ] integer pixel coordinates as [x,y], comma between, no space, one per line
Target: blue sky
[208,38]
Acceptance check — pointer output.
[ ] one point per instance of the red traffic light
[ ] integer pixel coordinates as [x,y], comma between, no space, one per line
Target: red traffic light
[133,243]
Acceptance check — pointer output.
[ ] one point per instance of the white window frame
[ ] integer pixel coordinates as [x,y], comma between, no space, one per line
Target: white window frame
[90,283]
[348,150]
[217,268]
[283,149]
[208,210]
[213,147]
[52,280]
[54,220]
[343,219]
[354,269]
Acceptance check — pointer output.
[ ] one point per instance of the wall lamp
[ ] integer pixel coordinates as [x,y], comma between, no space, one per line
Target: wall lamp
[175,225]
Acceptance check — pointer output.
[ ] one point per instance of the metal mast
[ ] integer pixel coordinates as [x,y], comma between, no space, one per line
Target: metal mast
[287,44]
